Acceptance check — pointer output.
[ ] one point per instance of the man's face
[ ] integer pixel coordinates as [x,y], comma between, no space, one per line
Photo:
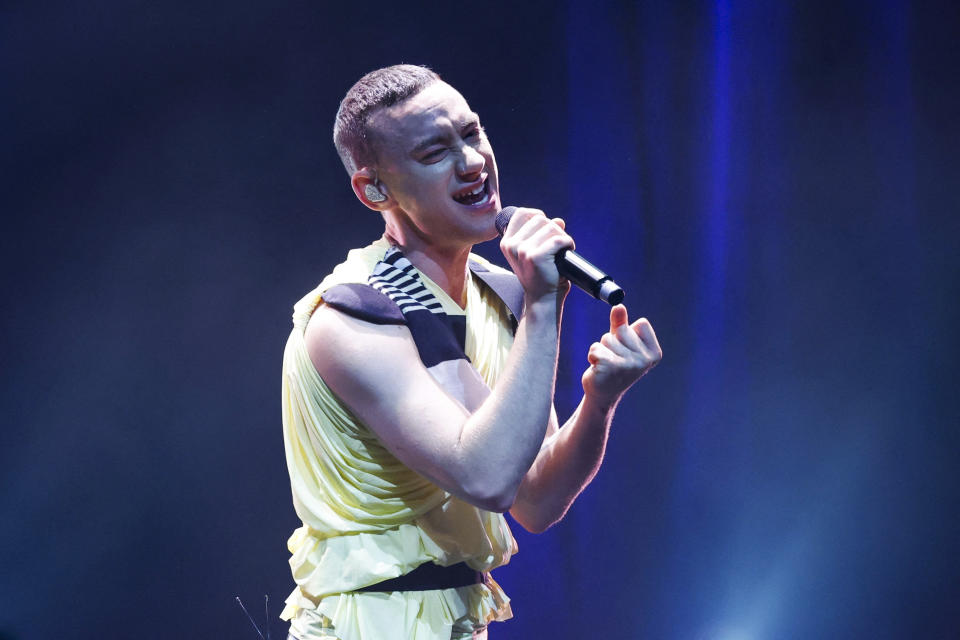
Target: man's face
[437,164]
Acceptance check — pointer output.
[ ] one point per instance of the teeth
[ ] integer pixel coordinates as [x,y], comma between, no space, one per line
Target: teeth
[475,192]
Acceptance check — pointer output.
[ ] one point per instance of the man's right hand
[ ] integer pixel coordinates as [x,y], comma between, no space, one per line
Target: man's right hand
[530,243]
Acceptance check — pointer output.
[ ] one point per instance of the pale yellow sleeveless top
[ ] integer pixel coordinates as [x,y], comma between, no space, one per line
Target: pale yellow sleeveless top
[366,517]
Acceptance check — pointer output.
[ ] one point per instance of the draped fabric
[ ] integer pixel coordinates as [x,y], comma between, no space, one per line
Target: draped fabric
[366,517]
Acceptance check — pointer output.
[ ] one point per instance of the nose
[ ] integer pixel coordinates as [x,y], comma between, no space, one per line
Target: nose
[471,163]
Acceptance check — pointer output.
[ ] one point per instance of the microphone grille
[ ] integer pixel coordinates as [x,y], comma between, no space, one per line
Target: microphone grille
[503,218]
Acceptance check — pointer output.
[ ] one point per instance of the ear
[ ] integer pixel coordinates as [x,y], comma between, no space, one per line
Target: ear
[369,190]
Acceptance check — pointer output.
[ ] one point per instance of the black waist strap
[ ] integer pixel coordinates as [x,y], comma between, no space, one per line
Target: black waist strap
[430,576]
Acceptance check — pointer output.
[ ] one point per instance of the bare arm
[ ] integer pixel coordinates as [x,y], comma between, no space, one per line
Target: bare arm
[481,457]
[571,456]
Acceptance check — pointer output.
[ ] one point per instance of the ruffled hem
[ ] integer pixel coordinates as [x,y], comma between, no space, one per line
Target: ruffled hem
[411,615]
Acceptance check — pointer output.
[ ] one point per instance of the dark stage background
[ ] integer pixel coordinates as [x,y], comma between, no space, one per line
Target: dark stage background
[774,185]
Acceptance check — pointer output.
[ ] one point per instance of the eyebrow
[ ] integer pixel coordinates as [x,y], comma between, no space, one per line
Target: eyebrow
[429,142]
[472,119]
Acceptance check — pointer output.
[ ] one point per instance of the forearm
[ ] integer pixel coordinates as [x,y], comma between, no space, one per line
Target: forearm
[565,466]
[571,459]
[500,441]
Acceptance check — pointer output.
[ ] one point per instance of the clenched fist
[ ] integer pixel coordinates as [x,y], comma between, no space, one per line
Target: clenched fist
[529,244]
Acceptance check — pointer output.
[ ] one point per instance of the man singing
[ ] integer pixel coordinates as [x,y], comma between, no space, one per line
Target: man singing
[418,383]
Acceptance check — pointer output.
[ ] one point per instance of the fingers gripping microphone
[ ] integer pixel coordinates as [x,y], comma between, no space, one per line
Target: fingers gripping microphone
[574,268]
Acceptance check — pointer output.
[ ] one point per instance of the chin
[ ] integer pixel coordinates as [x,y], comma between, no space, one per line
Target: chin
[492,235]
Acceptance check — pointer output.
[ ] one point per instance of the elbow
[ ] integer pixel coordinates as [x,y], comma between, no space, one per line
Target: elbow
[539,516]
[542,522]
[493,497]
[537,528]
[533,524]
[498,503]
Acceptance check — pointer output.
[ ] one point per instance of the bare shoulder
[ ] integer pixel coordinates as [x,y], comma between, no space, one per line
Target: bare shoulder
[343,346]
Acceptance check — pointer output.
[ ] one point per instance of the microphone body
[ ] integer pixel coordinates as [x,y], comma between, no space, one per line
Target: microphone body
[575,268]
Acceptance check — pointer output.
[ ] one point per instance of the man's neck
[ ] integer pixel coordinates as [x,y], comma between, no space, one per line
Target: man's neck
[449,272]
[446,266]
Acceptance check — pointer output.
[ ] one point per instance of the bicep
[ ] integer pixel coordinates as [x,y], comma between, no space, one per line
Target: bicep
[376,371]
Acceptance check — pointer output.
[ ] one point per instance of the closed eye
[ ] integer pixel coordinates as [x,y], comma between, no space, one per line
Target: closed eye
[434,155]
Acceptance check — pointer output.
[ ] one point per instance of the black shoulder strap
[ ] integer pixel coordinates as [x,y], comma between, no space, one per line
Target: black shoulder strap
[364,302]
[367,303]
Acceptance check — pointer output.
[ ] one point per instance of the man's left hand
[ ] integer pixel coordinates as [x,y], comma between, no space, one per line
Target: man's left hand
[621,357]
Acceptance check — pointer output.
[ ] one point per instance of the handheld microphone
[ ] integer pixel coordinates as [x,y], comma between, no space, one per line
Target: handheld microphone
[574,268]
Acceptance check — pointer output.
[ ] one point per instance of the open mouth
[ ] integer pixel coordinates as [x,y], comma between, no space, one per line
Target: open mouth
[476,196]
